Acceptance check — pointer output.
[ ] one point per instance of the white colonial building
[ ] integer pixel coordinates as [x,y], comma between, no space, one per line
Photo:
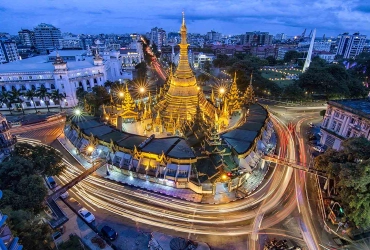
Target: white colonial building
[35,72]
[345,119]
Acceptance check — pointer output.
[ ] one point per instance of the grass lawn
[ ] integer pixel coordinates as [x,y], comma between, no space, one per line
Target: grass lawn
[273,75]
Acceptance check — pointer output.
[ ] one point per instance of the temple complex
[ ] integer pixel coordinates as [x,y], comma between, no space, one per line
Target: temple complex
[177,137]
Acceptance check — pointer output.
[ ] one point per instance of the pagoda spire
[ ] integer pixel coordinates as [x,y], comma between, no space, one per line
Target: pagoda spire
[249,93]
[213,97]
[184,74]
[128,102]
[233,96]
[158,120]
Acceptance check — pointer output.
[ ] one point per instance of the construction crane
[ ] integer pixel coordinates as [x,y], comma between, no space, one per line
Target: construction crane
[303,34]
[309,36]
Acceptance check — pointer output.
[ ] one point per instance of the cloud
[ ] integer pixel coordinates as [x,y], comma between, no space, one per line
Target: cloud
[226,16]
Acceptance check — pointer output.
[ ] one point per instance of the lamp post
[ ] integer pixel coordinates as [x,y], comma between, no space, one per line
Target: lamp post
[121,95]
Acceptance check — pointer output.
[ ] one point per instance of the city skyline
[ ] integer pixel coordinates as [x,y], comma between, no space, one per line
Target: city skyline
[227,17]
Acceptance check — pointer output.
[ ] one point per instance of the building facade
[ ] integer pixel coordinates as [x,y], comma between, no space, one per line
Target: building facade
[47,37]
[8,51]
[199,59]
[257,38]
[158,37]
[350,46]
[27,37]
[71,42]
[36,72]
[345,119]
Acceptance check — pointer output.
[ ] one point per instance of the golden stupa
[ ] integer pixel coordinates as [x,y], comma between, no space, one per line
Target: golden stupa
[184,95]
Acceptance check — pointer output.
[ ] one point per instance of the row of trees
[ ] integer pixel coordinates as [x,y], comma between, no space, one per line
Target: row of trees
[350,168]
[24,191]
[18,96]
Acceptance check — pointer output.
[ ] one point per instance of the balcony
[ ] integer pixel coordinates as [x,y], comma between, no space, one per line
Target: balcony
[25,81]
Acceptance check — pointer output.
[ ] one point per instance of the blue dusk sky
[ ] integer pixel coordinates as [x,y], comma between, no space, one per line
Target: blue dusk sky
[330,17]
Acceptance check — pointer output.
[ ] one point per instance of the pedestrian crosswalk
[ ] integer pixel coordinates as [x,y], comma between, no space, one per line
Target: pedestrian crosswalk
[45,135]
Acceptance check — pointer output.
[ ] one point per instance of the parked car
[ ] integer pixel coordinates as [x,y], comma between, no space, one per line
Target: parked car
[311,125]
[51,182]
[86,215]
[319,134]
[318,149]
[64,195]
[109,232]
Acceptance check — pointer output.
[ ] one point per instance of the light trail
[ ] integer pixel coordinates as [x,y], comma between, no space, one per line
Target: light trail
[175,214]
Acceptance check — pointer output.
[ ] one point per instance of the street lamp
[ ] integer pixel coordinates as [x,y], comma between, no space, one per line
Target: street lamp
[90,149]
[141,90]
[78,112]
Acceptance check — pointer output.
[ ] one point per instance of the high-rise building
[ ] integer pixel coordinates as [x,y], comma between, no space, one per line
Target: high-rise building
[8,51]
[47,37]
[158,37]
[256,38]
[350,46]
[214,36]
[27,37]
[280,37]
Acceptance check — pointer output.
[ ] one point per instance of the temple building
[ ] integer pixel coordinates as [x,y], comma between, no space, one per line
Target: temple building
[183,94]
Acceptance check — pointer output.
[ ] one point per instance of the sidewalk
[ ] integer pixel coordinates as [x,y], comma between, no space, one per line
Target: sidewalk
[76,226]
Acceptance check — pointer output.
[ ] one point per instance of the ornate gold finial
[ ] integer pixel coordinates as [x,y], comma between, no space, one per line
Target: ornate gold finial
[250,83]
[235,76]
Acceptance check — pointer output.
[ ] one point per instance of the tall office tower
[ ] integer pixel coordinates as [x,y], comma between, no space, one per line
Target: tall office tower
[27,37]
[350,46]
[47,37]
[256,38]
[158,37]
[8,51]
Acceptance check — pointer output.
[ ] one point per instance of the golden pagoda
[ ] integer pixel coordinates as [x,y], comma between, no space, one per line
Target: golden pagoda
[182,95]
[128,106]
[249,93]
[233,97]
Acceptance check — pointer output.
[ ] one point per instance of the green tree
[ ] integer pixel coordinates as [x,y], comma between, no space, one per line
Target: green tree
[58,96]
[15,97]
[221,61]
[202,78]
[350,168]
[46,161]
[43,94]
[141,70]
[331,80]
[30,95]
[207,66]
[6,99]
[293,92]
[271,60]
[72,244]
[322,113]
[292,56]
[32,232]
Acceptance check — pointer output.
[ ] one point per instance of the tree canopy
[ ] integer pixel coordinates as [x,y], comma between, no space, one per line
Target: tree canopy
[331,80]
[24,191]
[350,168]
